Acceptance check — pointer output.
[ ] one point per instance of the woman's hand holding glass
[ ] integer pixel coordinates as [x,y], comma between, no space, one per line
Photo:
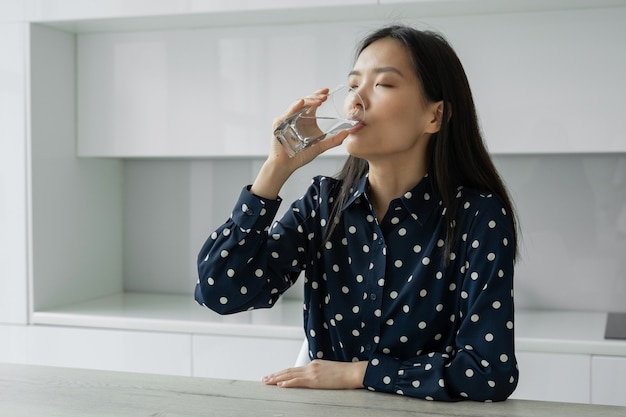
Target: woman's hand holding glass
[302,127]
[279,166]
[332,113]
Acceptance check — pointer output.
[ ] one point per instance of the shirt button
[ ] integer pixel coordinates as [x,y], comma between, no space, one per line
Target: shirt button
[246,209]
[368,347]
[372,296]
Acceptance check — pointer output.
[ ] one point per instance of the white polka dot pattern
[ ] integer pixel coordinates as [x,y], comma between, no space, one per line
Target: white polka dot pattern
[379,291]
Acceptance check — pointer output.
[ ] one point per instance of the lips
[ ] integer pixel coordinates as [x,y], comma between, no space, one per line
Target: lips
[360,125]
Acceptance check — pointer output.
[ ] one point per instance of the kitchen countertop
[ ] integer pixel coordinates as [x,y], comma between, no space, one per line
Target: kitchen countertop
[576,332]
[27,390]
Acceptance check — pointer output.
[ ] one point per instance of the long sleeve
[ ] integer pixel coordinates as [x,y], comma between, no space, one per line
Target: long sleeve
[237,269]
[479,363]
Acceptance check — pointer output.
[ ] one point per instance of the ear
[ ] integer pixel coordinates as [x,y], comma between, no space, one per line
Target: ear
[435,110]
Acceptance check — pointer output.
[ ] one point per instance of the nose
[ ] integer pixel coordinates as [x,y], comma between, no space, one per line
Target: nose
[355,106]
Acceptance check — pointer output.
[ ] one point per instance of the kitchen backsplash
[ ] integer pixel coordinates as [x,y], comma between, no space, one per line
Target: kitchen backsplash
[572,211]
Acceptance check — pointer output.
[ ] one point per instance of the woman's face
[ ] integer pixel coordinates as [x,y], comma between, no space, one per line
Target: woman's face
[398,120]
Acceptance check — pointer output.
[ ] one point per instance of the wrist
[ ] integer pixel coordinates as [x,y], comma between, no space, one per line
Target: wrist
[270,179]
[359,374]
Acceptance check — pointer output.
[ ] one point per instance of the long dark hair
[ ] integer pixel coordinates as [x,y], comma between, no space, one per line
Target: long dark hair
[457,153]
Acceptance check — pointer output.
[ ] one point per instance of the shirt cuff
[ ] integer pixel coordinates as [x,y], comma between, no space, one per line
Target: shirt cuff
[381,373]
[252,212]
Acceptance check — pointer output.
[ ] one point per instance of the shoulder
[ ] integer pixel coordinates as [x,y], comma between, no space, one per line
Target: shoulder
[476,206]
[475,200]
[322,187]
[320,193]
[324,181]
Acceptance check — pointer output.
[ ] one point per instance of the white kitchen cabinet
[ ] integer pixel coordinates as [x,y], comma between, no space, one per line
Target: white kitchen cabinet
[13,174]
[13,346]
[98,15]
[115,350]
[608,380]
[554,377]
[202,92]
[64,10]
[247,358]
[213,91]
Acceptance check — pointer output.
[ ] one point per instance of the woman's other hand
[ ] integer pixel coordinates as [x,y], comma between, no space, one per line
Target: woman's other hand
[320,374]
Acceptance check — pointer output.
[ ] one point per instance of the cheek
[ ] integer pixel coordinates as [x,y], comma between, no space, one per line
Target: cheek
[395,127]
[401,121]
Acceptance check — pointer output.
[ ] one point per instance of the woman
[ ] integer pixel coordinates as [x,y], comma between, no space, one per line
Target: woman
[408,254]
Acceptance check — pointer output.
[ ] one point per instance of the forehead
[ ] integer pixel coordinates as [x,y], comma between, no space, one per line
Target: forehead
[386,52]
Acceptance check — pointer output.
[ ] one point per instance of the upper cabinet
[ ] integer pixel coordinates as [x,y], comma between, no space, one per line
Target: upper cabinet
[200,92]
[207,78]
[95,15]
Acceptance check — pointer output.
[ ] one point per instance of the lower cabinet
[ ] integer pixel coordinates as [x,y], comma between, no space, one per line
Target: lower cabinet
[213,356]
[239,357]
[115,350]
[608,380]
[554,377]
[12,343]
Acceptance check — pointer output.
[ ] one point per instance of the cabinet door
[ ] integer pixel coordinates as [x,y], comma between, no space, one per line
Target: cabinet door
[55,10]
[553,377]
[114,350]
[246,358]
[202,92]
[608,380]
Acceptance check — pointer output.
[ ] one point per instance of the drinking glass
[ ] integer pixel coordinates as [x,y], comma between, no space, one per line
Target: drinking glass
[342,110]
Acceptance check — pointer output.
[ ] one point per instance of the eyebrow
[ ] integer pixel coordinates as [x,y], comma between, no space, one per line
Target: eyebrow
[379,70]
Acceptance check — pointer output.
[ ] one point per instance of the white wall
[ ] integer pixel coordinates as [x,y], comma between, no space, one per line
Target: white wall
[13,173]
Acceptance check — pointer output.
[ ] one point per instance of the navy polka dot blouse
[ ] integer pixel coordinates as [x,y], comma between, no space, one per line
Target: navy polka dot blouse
[378,290]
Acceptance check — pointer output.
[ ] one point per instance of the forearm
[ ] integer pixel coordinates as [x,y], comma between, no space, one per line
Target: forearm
[270,179]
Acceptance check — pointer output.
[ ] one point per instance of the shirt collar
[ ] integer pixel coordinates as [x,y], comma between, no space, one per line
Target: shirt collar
[357,191]
[420,201]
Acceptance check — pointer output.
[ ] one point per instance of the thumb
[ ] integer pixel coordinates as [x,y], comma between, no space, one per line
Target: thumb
[333,141]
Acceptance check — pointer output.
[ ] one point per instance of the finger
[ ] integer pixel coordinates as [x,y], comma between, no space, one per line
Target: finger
[282,376]
[295,383]
[295,107]
[330,143]
[335,140]
[321,92]
[315,99]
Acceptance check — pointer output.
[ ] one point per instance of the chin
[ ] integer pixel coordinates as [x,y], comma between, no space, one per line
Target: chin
[356,148]
[352,148]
